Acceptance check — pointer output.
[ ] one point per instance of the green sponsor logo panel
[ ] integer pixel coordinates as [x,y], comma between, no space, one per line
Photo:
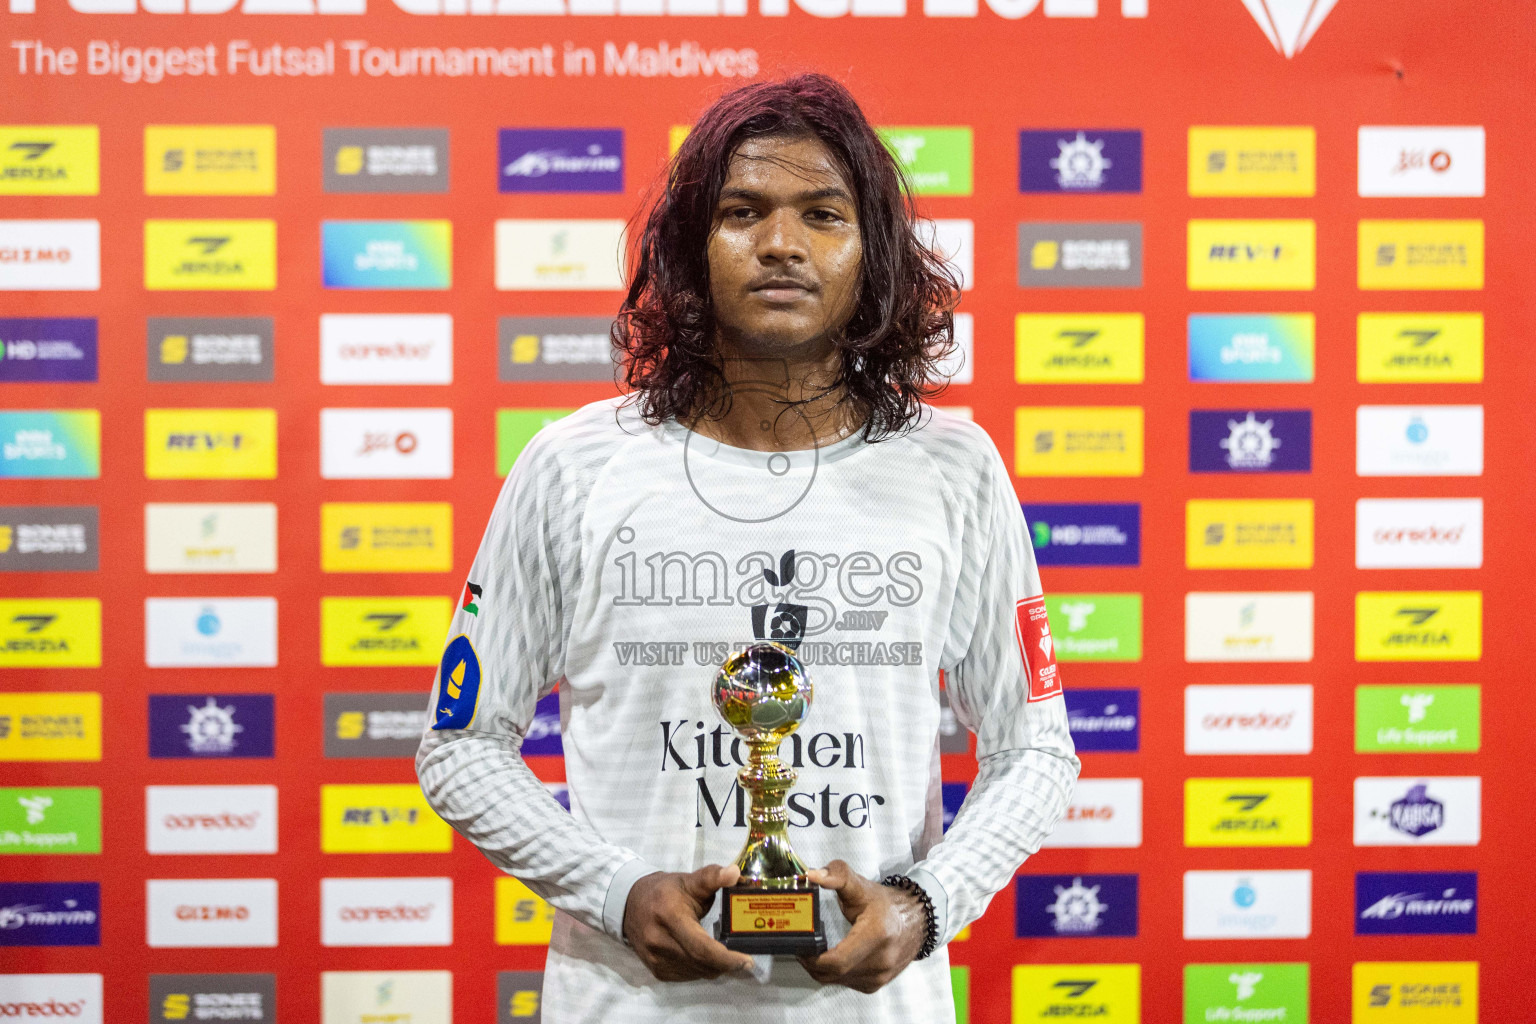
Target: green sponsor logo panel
[515,428]
[1418,719]
[43,819]
[1245,992]
[960,980]
[1095,627]
[937,161]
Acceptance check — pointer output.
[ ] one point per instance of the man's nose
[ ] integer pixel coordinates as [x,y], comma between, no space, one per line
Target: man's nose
[782,238]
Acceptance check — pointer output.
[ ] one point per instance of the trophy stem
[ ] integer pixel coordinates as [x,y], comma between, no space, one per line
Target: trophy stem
[762,692]
[767,860]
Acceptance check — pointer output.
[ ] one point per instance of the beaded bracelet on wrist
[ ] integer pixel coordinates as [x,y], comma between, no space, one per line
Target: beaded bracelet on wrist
[931,932]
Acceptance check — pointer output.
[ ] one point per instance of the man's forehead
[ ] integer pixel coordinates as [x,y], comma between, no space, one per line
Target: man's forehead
[792,164]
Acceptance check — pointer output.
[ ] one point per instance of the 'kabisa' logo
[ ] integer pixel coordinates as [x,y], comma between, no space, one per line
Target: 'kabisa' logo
[1076,906]
[211,725]
[1416,814]
[1289,24]
[562,160]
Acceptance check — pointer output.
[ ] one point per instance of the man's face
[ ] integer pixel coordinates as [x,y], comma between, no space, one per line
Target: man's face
[785,252]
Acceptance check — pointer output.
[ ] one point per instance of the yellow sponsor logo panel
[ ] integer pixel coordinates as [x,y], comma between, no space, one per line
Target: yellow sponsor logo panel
[210,255]
[1252,255]
[522,918]
[1248,534]
[675,138]
[210,444]
[1074,440]
[1422,992]
[1079,348]
[1421,254]
[1103,992]
[210,160]
[1419,348]
[1252,161]
[405,536]
[380,819]
[1405,625]
[383,630]
[50,727]
[1248,812]
[50,632]
[50,160]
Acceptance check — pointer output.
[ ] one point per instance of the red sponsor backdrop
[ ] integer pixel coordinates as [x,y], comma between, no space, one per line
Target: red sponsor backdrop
[1372,62]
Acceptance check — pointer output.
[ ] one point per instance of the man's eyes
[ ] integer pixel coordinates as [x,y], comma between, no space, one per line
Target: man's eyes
[819,214]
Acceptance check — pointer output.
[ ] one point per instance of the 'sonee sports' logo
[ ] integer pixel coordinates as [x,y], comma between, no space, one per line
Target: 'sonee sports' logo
[459,682]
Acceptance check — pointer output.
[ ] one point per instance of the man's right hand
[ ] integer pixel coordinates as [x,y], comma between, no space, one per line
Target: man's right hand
[661,922]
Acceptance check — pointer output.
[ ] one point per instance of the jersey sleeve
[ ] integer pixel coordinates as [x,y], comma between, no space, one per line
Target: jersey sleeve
[1003,680]
[1004,685]
[504,651]
[506,639]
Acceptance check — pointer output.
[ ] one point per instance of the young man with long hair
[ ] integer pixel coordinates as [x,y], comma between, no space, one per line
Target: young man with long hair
[773,472]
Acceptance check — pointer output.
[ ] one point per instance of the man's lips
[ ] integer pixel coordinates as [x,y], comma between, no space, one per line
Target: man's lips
[781,291]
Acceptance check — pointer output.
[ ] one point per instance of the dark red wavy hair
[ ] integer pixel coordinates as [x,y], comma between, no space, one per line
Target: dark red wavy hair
[902,326]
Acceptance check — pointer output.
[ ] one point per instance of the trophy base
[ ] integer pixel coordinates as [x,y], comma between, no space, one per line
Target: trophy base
[782,922]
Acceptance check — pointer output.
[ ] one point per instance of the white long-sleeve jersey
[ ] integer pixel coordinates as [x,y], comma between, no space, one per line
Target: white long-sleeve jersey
[622,563]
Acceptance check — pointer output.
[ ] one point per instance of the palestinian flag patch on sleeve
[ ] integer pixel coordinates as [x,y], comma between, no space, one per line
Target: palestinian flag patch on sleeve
[472,592]
[1037,648]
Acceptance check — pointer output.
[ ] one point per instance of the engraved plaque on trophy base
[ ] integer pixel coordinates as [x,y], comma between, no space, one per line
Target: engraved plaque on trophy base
[784,922]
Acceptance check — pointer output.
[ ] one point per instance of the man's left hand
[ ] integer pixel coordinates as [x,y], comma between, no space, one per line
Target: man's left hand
[888,929]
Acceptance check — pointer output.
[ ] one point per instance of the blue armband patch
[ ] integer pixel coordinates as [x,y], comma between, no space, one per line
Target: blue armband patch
[458,685]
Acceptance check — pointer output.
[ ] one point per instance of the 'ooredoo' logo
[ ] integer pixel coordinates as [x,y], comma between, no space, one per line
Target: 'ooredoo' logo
[51,1008]
[399,912]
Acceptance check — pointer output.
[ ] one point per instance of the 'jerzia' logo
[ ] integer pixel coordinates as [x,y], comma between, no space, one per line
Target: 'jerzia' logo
[788,624]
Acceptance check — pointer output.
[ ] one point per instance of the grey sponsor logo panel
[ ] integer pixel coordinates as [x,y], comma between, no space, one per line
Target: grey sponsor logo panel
[1079,254]
[555,348]
[394,160]
[374,724]
[519,997]
[193,348]
[49,538]
[251,998]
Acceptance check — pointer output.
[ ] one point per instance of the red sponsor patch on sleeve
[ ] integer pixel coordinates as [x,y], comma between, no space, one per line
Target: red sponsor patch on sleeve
[1037,648]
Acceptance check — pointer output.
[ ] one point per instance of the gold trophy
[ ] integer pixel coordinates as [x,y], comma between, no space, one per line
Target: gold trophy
[763,693]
